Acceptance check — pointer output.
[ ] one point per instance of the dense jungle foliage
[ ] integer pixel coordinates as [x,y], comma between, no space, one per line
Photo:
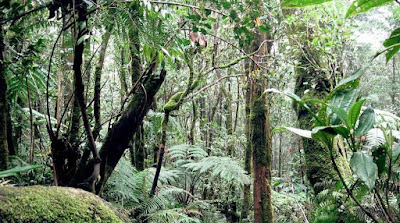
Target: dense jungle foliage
[199,111]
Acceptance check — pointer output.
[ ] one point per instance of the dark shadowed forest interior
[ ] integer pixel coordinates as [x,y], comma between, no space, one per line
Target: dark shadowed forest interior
[265,111]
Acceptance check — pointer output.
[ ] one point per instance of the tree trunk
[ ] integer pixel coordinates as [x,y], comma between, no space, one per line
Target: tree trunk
[280,156]
[122,77]
[138,152]
[260,128]
[11,142]
[3,105]
[118,137]
[318,165]
[97,84]
[248,151]
[79,92]
[161,155]
[262,153]
[136,66]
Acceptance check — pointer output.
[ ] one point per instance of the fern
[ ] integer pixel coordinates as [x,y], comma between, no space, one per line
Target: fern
[220,167]
[127,187]
[165,196]
[375,138]
[171,215]
[182,154]
[167,176]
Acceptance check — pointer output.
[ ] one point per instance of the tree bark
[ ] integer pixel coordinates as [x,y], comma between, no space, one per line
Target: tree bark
[3,105]
[97,84]
[260,128]
[10,136]
[79,92]
[248,150]
[262,153]
[118,137]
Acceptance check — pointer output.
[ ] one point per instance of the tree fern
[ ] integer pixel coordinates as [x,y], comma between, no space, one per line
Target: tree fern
[127,186]
[220,167]
[182,154]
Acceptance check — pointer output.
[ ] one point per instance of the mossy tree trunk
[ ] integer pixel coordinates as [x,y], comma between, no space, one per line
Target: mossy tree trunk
[122,77]
[97,84]
[138,150]
[79,92]
[229,119]
[260,129]
[136,66]
[248,152]
[11,140]
[118,138]
[3,105]
[262,153]
[317,156]
[261,141]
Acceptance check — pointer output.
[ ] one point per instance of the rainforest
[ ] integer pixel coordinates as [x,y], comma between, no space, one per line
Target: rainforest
[214,111]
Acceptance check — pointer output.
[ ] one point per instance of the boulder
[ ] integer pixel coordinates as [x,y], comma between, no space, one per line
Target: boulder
[54,204]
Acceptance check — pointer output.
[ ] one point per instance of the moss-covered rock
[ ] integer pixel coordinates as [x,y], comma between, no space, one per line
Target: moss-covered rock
[54,204]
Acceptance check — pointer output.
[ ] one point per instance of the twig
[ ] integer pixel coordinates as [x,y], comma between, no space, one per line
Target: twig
[214,83]
[3,21]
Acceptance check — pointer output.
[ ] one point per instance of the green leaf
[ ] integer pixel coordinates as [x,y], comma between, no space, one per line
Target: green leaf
[329,131]
[350,82]
[301,3]
[360,6]
[366,122]
[16,170]
[354,112]
[300,132]
[324,134]
[343,100]
[365,168]
[396,152]
[392,44]
[340,112]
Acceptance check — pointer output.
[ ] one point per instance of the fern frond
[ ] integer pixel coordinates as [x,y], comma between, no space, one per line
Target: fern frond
[221,167]
[375,138]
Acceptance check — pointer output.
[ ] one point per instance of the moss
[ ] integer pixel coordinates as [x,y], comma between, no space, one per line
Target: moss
[173,102]
[53,204]
[259,137]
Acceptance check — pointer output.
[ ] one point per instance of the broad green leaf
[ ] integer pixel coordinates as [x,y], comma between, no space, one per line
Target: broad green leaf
[350,82]
[364,167]
[329,131]
[340,112]
[314,100]
[341,130]
[342,99]
[395,152]
[392,44]
[366,122]
[300,132]
[323,133]
[360,6]
[16,170]
[354,112]
[301,3]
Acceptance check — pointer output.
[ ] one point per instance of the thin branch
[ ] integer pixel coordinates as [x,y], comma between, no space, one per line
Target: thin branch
[15,18]
[48,124]
[214,83]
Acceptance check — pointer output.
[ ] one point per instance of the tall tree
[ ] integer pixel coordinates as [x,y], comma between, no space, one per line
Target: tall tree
[3,102]
[260,128]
